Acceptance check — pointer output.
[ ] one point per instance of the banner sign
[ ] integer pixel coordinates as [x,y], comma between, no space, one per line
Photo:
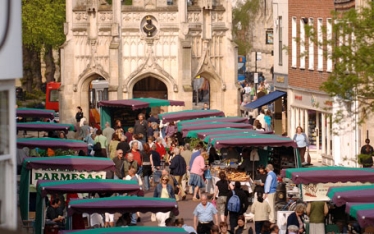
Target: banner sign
[40,174]
[318,192]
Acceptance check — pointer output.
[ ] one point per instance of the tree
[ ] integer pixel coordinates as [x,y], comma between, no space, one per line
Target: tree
[42,29]
[242,15]
[351,50]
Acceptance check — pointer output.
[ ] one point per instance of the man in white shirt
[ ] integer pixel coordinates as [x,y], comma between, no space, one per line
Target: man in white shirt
[261,117]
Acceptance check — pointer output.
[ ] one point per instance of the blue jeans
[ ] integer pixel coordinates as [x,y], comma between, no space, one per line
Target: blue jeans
[146,183]
[258,226]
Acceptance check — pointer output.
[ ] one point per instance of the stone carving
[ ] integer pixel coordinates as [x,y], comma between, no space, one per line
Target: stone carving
[167,17]
[205,64]
[150,65]
[149,28]
[194,17]
[106,16]
[81,16]
[217,16]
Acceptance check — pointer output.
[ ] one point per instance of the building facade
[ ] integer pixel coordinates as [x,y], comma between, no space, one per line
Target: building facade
[148,48]
[261,37]
[309,107]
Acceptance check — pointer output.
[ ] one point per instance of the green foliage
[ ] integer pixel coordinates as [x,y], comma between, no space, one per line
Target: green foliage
[62,152]
[43,22]
[194,141]
[352,46]
[242,15]
[35,95]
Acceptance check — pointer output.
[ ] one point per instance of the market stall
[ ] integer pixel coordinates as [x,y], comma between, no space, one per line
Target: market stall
[123,204]
[124,110]
[182,123]
[35,113]
[57,168]
[277,150]
[45,126]
[315,182]
[212,125]
[130,230]
[203,132]
[359,193]
[44,188]
[189,114]
[362,212]
[52,143]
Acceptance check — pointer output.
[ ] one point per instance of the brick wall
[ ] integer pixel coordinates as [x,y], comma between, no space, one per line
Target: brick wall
[305,78]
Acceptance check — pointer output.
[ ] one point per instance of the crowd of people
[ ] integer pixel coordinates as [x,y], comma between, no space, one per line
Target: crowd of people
[260,118]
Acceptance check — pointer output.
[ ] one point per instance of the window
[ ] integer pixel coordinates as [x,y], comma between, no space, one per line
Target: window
[53,96]
[329,46]
[4,122]
[302,44]
[311,45]
[294,51]
[280,42]
[320,45]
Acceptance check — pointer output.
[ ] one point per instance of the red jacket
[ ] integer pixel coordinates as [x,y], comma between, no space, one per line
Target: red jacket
[161,150]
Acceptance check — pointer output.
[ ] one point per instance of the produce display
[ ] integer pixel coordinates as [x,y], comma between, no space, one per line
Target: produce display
[234,175]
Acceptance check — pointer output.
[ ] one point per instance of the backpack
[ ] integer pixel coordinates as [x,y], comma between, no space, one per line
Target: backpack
[233,204]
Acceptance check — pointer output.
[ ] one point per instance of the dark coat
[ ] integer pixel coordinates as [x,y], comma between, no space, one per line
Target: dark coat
[243,201]
[178,166]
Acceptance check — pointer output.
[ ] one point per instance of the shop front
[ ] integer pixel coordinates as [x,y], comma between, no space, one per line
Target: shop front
[312,111]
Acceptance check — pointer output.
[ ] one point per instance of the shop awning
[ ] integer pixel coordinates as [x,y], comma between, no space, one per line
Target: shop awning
[211,119]
[266,99]
[70,163]
[253,139]
[34,112]
[341,195]
[314,175]
[45,126]
[245,132]
[202,133]
[129,230]
[211,125]
[123,203]
[139,103]
[78,186]
[53,143]
[362,212]
[189,114]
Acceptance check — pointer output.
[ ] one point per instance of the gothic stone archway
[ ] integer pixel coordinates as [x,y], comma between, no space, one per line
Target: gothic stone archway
[150,87]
